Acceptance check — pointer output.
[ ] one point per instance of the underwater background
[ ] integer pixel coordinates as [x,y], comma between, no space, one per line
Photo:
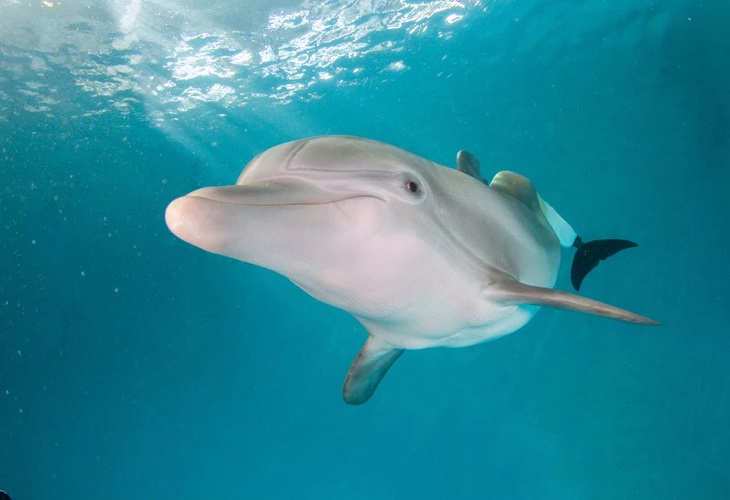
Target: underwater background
[135,365]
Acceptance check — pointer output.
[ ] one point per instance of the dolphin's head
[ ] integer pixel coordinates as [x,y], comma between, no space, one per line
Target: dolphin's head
[334,168]
[325,212]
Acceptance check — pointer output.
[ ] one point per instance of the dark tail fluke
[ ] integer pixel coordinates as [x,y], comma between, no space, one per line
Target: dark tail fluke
[589,254]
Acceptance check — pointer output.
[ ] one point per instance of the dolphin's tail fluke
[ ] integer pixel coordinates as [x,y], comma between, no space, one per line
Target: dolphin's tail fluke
[589,254]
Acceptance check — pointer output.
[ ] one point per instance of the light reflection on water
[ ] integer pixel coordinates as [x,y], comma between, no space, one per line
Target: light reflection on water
[176,57]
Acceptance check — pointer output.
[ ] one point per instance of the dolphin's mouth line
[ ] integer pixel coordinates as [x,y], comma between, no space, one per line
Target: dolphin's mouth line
[288,204]
[277,194]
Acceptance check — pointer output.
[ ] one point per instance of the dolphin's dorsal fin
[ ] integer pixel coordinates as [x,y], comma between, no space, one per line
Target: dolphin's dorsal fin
[518,187]
[469,164]
[368,369]
[514,292]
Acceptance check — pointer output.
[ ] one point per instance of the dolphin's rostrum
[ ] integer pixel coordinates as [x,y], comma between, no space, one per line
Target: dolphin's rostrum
[421,254]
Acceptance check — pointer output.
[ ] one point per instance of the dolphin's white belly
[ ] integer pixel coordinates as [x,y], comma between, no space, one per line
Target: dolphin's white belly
[419,290]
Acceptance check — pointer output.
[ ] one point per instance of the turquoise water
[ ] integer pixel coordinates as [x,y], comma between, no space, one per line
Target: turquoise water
[135,365]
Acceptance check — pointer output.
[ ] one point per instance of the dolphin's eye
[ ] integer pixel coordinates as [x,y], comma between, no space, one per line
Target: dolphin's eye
[409,188]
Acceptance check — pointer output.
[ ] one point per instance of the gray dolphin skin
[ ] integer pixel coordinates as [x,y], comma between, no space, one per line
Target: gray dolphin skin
[421,254]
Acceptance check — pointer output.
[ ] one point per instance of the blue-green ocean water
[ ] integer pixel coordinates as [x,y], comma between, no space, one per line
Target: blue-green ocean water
[133,365]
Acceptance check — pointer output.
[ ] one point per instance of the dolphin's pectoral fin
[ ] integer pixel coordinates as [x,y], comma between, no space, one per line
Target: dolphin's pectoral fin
[514,292]
[589,254]
[469,164]
[368,369]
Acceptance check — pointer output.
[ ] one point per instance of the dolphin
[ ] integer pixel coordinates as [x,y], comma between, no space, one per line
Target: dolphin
[422,255]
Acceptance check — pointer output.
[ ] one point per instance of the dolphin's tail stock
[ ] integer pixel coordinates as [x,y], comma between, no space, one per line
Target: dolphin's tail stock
[590,253]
